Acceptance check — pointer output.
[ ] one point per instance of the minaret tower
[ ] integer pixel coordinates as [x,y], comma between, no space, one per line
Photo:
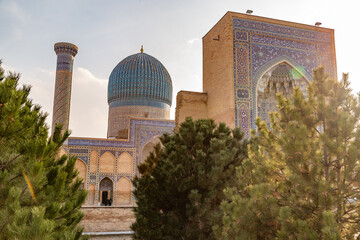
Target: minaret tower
[65,57]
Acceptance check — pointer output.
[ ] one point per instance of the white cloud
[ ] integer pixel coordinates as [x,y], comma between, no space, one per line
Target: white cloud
[50,73]
[89,108]
[13,9]
[8,68]
[193,41]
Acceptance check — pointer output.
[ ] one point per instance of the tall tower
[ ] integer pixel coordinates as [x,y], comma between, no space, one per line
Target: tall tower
[65,57]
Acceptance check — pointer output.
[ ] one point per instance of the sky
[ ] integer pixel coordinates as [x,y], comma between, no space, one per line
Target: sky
[171,30]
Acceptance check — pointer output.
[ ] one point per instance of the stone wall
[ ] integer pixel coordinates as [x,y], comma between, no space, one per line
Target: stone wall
[108,222]
[113,236]
[188,104]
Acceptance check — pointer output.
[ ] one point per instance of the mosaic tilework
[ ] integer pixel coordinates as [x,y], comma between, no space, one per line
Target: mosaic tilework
[262,54]
[140,77]
[74,151]
[269,40]
[121,143]
[325,60]
[84,158]
[242,65]
[140,133]
[241,36]
[62,98]
[110,151]
[262,46]
[119,117]
[243,113]
[65,57]
[281,30]
[242,93]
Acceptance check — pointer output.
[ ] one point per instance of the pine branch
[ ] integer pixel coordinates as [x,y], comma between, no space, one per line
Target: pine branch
[8,217]
[8,163]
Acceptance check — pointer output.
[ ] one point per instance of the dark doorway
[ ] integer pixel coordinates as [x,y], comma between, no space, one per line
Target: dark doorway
[104,198]
[106,192]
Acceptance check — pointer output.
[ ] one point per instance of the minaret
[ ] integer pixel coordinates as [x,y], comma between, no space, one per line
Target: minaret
[65,57]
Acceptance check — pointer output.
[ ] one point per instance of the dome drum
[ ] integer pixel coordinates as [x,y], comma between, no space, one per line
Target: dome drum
[139,86]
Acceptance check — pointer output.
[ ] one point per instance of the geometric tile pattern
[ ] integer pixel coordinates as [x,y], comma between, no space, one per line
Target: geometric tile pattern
[139,77]
[140,133]
[242,64]
[243,110]
[259,46]
[243,93]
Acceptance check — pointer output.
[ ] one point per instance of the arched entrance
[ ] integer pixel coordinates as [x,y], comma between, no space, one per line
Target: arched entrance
[106,192]
[281,78]
[148,148]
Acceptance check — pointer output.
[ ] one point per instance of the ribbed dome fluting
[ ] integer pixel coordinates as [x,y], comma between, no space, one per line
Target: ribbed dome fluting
[140,79]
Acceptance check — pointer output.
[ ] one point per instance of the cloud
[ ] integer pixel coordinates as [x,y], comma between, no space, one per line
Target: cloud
[89,108]
[8,68]
[50,73]
[193,41]
[13,9]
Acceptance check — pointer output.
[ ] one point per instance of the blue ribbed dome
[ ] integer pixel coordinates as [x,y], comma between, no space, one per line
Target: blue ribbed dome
[140,79]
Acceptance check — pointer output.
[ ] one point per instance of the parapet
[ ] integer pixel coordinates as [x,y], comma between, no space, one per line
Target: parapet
[190,104]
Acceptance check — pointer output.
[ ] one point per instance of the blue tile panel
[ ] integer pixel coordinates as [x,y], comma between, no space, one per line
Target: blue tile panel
[154,125]
[259,46]
[140,77]
[141,132]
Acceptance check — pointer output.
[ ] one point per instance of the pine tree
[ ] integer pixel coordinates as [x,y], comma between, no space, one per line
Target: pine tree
[181,187]
[301,180]
[40,196]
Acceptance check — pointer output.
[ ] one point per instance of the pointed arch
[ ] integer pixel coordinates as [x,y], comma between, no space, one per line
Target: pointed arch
[82,169]
[125,163]
[279,78]
[93,161]
[276,61]
[123,191]
[148,148]
[106,187]
[107,163]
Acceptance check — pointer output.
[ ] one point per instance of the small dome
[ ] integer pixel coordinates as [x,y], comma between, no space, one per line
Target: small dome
[140,79]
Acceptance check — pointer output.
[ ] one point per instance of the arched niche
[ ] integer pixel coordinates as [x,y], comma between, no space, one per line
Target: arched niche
[106,192]
[107,163]
[281,78]
[82,169]
[91,195]
[93,161]
[148,148]
[123,191]
[125,163]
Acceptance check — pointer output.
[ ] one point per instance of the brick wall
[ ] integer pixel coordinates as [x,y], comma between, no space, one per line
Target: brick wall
[190,104]
[119,117]
[107,219]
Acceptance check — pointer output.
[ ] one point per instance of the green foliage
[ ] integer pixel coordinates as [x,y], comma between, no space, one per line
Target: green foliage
[53,211]
[301,180]
[181,187]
